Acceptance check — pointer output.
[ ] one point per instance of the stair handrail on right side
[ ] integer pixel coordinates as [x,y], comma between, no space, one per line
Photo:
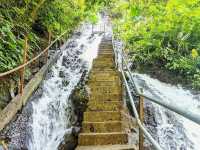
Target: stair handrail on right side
[181,111]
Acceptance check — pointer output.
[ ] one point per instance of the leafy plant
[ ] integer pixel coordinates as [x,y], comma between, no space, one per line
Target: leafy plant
[163,33]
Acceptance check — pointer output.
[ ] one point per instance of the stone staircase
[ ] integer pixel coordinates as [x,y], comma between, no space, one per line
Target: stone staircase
[103,126]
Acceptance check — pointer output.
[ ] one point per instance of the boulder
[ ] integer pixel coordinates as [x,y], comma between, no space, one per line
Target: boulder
[70,140]
[72,44]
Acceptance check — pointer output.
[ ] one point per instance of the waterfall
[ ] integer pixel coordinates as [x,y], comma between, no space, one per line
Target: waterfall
[51,112]
[173,131]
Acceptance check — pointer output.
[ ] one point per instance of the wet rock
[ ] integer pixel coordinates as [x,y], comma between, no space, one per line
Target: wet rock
[82,46]
[70,140]
[72,44]
[65,83]
[64,61]
[19,130]
[78,34]
[49,74]
[80,99]
[61,74]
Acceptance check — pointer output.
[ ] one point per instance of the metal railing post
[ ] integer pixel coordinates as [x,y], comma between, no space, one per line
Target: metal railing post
[141,116]
[22,71]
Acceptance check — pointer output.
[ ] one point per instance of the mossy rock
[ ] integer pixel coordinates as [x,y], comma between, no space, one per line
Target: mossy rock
[80,99]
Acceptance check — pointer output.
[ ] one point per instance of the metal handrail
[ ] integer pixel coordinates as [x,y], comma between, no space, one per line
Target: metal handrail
[140,124]
[148,135]
[189,115]
[181,111]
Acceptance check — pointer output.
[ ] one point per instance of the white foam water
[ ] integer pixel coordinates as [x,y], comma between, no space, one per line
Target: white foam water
[51,112]
[174,132]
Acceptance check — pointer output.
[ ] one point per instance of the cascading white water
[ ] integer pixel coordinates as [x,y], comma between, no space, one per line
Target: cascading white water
[50,118]
[174,132]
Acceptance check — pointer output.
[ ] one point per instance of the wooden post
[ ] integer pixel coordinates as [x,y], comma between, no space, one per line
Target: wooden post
[141,115]
[22,71]
[49,42]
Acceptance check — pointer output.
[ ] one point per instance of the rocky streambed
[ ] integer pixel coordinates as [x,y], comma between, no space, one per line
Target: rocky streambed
[52,117]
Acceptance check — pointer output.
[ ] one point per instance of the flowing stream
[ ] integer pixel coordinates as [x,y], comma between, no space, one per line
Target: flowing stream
[48,115]
[51,112]
[173,131]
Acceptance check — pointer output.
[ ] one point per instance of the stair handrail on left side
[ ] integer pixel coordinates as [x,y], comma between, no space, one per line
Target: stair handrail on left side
[26,63]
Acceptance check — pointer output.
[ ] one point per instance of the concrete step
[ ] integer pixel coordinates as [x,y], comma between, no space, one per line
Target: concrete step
[103,83]
[104,69]
[100,63]
[104,77]
[92,116]
[105,90]
[104,106]
[105,43]
[105,46]
[107,55]
[105,97]
[103,65]
[106,50]
[105,59]
[104,73]
[108,147]
[102,138]
[101,127]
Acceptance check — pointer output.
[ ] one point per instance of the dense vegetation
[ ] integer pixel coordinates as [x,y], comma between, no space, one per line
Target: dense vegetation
[162,33]
[35,18]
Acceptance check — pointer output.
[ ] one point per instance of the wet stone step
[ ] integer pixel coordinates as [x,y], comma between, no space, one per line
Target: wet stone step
[94,87]
[108,147]
[104,83]
[104,106]
[104,73]
[106,49]
[103,138]
[103,65]
[106,52]
[106,43]
[104,69]
[108,73]
[106,55]
[101,76]
[102,127]
[105,97]
[104,78]
[106,46]
[105,90]
[92,116]
[102,62]
[104,59]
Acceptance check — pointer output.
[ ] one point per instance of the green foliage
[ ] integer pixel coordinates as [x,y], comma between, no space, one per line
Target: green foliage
[10,47]
[162,33]
[35,18]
